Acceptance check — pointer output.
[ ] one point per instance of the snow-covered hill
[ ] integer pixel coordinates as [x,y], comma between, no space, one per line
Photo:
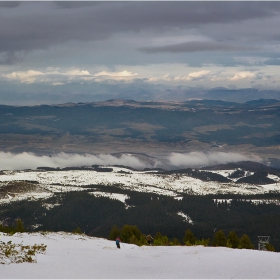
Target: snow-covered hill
[18,185]
[70,256]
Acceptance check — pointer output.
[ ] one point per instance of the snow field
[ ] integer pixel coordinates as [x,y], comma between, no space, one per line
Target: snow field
[81,257]
[140,181]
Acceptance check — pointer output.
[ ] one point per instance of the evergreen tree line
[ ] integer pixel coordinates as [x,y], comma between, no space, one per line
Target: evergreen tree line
[151,213]
[131,234]
[18,227]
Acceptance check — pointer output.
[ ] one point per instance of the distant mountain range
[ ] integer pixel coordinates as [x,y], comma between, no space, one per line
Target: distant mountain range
[153,128]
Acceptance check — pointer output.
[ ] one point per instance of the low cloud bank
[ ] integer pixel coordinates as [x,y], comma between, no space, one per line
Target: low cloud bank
[197,159]
[10,161]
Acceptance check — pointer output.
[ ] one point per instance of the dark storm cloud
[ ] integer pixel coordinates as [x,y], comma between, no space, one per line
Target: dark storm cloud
[75,4]
[8,58]
[11,4]
[195,47]
[39,25]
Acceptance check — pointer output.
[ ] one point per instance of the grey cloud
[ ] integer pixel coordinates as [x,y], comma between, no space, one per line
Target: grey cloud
[10,57]
[272,61]
[9,4]
[37,25]
[194,47]
[75,4]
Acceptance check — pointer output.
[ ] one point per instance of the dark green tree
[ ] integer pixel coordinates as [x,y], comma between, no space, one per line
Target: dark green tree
[175,242]
[77,230]
[128,231]
[161,240]
[219,239]
[233,240]
[189,238]
[270,247]
[19,226]
[114,233]
[245,242]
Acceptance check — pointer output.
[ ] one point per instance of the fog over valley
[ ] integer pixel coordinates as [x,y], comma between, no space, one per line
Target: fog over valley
[26,160]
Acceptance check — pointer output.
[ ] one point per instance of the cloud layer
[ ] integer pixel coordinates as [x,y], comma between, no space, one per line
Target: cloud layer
[198,159]
[11,161]
[84,46]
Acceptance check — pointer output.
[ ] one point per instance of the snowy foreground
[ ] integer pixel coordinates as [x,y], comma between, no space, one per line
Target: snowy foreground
[80,256]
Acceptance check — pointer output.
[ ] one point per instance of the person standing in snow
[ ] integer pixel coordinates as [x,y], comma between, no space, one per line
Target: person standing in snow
[149,239]
[118,241]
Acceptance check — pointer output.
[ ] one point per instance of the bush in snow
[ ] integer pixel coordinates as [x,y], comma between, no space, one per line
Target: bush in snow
[18,253]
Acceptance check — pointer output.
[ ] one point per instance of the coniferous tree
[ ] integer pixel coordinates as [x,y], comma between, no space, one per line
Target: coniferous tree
[219,239]
[133,240]
[245,242]
[175,242]
[77,230]
[114,233]
[270,247]
[189,238]
[127,232]
[19,226]
[161,240]
[233,240]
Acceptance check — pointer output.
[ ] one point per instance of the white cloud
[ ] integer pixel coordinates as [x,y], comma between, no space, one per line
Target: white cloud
[58,84]
[10,161]
[117,76]
[76,72]
[193,76]
[51,75]
[161,78]
[242,76]
[25,76]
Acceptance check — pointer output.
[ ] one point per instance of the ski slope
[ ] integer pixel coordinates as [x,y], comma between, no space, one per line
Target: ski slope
[70,256]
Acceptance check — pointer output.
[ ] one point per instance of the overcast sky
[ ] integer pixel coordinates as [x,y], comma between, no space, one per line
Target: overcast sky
[53,52]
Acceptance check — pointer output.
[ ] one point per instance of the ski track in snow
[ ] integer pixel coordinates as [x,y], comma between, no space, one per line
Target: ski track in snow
[140,181]
[70,256]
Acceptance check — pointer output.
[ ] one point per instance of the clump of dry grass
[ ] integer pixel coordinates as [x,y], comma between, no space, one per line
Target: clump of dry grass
[19,253]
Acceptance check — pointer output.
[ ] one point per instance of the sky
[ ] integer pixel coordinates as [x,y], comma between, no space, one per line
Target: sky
[70,256]
[57,52]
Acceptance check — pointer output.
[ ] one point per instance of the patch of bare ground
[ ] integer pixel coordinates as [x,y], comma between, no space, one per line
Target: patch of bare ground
[15,187]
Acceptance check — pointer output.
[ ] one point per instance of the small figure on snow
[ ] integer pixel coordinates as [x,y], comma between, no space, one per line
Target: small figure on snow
[118,241]
[149,239]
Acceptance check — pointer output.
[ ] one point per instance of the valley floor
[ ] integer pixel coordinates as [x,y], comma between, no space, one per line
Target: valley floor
[79,256]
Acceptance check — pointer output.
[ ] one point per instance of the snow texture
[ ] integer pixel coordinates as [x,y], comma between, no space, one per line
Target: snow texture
[70,256]
[163,184]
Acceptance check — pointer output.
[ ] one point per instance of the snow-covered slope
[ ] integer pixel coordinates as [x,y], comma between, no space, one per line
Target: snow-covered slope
[70,256]
[141,181]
